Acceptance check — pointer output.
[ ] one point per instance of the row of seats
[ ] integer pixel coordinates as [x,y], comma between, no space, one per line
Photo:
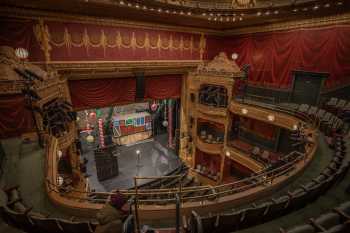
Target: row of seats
[15,213]
[337,106]
[256,214]
[329,122]
[335,221]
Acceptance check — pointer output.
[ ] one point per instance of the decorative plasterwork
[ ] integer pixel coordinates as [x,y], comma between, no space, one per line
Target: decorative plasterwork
[333,21]
[62,17]
[220,65]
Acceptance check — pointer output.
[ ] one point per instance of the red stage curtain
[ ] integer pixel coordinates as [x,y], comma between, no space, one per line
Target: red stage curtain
[163,87]
[15,119]
[97,93]
[273,55]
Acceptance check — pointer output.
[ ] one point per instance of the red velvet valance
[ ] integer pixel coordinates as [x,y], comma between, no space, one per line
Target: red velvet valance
[273,55]
[97,93]
[15,119]
[163,87]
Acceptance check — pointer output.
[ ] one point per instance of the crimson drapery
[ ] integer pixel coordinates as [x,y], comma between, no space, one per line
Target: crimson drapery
[273,55]
[19,34]
[163,87]
[97,93]
[15,119]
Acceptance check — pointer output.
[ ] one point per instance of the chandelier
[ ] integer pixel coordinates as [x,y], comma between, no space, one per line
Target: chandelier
[243,3]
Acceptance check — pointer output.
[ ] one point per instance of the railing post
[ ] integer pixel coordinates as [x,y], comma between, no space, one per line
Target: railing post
[178,204]
[137,221]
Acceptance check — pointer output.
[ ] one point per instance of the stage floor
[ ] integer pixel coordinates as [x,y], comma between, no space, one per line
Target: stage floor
[156,160]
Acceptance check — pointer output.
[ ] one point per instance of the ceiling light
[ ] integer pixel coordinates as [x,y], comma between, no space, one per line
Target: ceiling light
[259,13]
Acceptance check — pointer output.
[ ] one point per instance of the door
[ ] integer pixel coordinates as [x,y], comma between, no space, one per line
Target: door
[307,87]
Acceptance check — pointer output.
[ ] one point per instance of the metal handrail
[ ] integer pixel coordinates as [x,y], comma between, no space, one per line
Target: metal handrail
[219,190]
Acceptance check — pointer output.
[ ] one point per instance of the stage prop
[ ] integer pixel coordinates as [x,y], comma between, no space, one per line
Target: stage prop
[132,127]
[106,163]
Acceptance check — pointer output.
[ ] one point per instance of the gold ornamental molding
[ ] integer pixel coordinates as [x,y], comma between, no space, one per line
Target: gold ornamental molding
[333,21]
[14,12]
[115,69]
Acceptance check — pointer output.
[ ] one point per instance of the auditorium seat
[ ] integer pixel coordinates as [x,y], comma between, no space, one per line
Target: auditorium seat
[298,199]
[307,228]
[229,222]
[73,227]
[327,221]
[344,208]
[279,206]
[256,214]
[314,190]
[47,225]
[202,224]
[19,220]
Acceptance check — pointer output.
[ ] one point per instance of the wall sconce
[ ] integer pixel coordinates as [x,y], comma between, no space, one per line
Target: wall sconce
[271,117]
[244,111]
[228,154]
[295,127]
[234,56]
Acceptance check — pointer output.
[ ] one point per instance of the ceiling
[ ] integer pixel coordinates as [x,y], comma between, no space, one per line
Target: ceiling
[204,14]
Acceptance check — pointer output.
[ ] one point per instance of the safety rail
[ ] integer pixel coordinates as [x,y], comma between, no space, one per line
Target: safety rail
[145,196]
[200,194]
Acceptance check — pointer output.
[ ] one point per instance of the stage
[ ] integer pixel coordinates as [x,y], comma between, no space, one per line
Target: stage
[156,160]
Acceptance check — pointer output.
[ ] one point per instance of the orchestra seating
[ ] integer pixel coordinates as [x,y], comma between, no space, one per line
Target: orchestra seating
[16,213]
[336,221]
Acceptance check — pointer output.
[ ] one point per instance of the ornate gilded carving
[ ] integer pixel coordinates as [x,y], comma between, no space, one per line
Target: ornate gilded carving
[120,40]
[41,32]
[220,65]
